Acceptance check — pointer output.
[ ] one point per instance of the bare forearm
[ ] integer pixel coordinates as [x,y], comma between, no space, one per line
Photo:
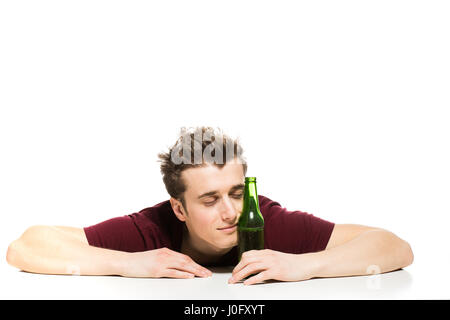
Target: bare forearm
[375,251]
[51,251]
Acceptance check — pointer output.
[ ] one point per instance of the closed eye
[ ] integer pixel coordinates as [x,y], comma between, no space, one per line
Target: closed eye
[212,202]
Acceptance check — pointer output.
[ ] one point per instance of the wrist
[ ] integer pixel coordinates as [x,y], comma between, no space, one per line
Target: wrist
[118,263]
[316,263]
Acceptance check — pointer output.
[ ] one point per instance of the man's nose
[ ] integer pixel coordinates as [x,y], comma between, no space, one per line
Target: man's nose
[228,210]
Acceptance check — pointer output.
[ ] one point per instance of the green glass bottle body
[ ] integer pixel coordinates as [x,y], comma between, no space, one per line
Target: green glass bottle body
[251,222]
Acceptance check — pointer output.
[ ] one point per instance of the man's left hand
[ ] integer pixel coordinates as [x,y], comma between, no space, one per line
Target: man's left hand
[269,264]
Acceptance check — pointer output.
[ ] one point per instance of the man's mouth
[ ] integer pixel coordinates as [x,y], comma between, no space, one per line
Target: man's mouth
[228,228]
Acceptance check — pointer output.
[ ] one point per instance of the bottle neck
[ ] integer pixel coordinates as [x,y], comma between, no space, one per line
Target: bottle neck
[251,197]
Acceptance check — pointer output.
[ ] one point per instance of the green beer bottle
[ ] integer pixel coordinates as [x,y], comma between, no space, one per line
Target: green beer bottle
[251,222]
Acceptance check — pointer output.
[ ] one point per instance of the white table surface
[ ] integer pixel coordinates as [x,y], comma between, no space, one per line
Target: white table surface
[426,278]
[408,283]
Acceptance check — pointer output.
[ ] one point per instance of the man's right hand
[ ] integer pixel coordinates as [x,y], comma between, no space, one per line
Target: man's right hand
[160,263]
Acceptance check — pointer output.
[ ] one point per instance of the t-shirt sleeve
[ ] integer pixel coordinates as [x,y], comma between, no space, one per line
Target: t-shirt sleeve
[293,231]
[119,233]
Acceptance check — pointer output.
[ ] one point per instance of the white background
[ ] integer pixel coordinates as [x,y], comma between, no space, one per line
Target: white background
[342,108]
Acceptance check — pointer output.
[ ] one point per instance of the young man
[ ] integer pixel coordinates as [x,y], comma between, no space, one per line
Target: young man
[204,174]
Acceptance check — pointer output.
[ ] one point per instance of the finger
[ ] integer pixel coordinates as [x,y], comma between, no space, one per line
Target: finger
[247,258]
[173,273]
[189,265]
[260,277]
[199,267]
[183,259]
[247,271]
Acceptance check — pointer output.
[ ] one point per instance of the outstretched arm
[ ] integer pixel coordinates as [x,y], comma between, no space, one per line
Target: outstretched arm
[61,250]
[351,250]
[65,250]
[359,250]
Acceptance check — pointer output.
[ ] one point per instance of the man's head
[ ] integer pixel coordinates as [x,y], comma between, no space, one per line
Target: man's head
[204,174]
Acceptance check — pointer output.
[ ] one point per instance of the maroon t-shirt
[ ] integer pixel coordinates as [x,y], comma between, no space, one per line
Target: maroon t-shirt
[158,227]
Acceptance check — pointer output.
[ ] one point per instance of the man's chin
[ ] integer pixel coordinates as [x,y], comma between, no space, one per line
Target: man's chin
[226,245]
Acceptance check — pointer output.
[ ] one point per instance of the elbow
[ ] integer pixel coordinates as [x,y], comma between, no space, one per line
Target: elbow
[402,254]
[12,254]
[398,250]
[18,249]
[408,255]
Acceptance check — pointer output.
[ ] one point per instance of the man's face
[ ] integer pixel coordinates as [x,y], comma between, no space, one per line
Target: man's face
[213,198]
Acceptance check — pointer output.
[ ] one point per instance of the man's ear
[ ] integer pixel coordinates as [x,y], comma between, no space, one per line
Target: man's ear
[178,209]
